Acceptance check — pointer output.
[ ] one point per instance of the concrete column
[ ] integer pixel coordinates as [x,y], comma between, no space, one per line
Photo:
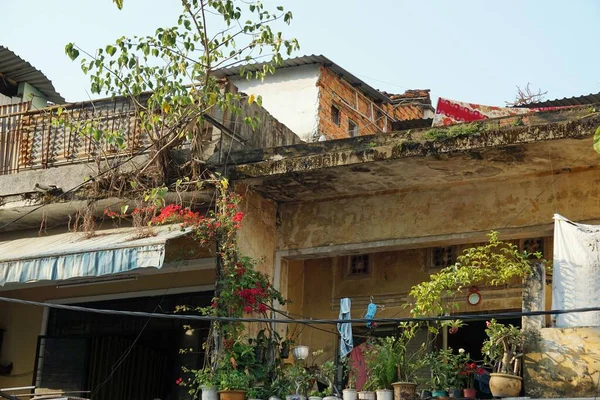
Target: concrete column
[534,298]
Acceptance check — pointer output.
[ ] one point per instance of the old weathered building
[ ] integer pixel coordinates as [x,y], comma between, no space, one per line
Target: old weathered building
[317,98]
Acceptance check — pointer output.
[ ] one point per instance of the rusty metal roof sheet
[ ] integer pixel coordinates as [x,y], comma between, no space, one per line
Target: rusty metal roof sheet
[15,68]
[368,90]
[567,101]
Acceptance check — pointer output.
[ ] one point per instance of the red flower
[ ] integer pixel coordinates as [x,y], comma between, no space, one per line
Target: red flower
[179,381]
[238,217]
[247,309]
[480,371]
[262,308]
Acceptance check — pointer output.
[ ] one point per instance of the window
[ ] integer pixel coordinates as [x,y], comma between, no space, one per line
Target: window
[442,257]
[335,115]
[352,128]
[359,265]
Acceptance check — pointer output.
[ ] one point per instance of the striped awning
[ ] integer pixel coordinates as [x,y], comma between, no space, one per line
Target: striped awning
[72,255]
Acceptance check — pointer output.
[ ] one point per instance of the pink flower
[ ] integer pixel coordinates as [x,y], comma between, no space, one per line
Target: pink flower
[179,381]
[488,323]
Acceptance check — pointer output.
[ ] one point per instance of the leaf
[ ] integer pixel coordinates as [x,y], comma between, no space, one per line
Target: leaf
[124,208]
[251,99]
[71,51]
[119,4]
[111,50]
[597,140]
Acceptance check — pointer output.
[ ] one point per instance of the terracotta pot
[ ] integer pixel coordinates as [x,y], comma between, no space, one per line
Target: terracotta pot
[366,395]
[505,385]
[404,390]
[232,394]
[470,393]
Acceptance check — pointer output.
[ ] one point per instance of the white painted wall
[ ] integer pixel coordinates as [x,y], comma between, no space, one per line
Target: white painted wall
[291,95]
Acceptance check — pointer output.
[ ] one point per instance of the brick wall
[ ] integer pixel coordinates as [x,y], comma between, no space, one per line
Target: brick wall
[353,106]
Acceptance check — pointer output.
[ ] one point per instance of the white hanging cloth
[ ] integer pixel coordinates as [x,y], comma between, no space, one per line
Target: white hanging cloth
[576,272]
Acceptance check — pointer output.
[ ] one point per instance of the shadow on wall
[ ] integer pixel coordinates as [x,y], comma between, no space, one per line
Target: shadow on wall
[564,362]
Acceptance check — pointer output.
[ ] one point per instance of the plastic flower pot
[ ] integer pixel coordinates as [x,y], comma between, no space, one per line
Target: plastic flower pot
[439,393]
[426,394]
[232,395]
[385,394]
[504,385]
[455,393]
[469,393]
[366,395]
[315,398]
[404,390]
[209,393]
[300,352]
[349,394]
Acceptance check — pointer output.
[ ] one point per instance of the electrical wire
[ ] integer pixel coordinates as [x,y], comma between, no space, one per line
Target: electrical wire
[187,317]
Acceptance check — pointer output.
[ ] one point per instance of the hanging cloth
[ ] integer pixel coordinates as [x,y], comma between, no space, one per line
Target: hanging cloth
[345,329]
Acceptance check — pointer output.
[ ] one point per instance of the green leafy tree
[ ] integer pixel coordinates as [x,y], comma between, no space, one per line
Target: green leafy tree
[169,75]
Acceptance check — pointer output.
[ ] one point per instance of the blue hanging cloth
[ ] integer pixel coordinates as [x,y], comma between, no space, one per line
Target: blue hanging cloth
[371,311]
[345,329]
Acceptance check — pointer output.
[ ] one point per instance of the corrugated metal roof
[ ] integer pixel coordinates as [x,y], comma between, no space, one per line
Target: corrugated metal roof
[368,90]
[14,67]
[567,101]
[74,243]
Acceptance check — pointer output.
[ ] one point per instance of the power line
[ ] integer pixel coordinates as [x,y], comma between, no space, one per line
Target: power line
[464,317]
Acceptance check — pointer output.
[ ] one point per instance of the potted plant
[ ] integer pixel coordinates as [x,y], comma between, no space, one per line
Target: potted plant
[233,384]
[468,371]
[407,362]
[455,362]
[298,378]
[503,351]
[382,362]
[349,393]
[441,368]
[329,394]
[367,392]
[327,373]
[202,380]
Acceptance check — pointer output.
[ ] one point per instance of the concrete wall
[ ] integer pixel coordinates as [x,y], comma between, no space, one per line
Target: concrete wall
[454,208]
[30,93]
[290,95]
[565,362]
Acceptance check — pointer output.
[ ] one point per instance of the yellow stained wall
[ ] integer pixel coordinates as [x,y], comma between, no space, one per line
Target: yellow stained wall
[445,209]
[23,323]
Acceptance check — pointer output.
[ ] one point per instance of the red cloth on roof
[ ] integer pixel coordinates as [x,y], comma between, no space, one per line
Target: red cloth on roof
[358,364]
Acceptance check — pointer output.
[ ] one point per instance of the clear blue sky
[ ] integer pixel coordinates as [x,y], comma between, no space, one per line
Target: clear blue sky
[475,51]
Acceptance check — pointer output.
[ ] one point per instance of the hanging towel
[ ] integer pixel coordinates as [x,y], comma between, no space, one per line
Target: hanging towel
[371,310]
[345,329]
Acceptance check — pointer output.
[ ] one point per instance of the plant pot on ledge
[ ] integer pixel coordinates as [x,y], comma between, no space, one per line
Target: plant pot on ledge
[470,393]
[505,385]
[366,395]
[232,394]
[404,390]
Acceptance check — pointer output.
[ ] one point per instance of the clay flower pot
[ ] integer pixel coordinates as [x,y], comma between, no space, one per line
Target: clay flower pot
[469,393]
[504,385]
[232,395]
[404,390]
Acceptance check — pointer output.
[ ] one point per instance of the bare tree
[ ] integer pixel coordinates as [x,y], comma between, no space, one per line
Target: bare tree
[526,96]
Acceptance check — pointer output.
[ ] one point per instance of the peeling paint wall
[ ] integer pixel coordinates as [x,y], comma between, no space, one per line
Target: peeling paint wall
[564,363]
[442,209]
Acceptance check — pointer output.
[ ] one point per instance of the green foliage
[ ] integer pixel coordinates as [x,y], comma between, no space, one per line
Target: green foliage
[495,263]
[296,379]
[445,368]
[232,380]
[389,359]
[454,131]
[257,392]
[170,74]
[504,347]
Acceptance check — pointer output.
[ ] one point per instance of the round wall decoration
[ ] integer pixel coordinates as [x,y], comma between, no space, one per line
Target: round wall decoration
[474,297]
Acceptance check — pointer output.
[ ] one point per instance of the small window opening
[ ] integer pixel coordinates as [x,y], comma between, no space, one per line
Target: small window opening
[352,128]
[359,265]
[335,115]
[443,257]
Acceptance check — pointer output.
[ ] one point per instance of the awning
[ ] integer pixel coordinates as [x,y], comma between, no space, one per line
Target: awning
[72,255]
